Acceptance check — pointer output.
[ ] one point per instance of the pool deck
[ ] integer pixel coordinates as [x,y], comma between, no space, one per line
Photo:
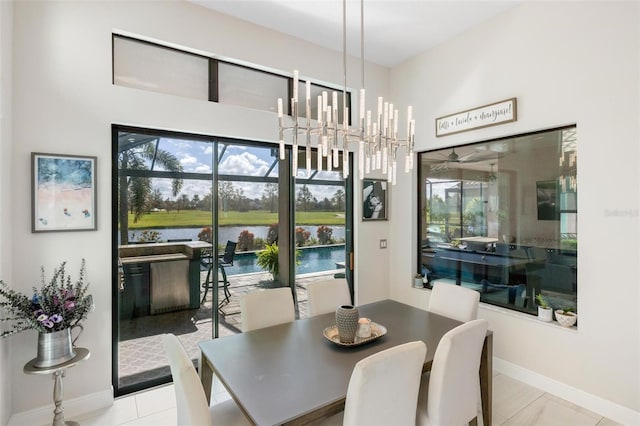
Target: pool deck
[141,355]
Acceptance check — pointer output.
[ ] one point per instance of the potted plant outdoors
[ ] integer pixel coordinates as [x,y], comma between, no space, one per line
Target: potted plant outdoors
[267,259]
[53,311]
[566,317]
[545,313]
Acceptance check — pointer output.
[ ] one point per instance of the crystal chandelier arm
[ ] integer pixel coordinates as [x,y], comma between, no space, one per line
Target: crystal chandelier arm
[362,113]
[308,102]
[377,138]
[295,86]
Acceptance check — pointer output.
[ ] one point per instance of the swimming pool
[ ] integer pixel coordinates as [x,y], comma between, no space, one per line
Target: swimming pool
[312,259]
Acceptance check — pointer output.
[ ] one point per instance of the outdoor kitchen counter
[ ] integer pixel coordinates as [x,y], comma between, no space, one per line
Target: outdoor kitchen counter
[146,252]
[160,277]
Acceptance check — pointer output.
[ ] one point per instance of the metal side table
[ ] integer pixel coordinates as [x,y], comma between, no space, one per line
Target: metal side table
[58,372]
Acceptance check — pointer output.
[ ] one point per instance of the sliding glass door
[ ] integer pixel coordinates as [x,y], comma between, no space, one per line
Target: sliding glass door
[200,221]
[162,202]
[321,225]
[247,226]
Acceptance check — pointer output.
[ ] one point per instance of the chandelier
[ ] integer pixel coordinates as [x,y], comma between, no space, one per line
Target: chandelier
[376,138]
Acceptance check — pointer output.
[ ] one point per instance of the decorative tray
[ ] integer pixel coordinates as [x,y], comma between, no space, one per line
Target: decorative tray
[377,331]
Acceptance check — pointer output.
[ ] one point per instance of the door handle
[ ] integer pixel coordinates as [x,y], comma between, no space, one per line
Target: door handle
[120,276]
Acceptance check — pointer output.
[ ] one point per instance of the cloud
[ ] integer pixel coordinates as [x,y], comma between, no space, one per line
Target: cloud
[246,163]
[188,160]
[202,168]
[197,157]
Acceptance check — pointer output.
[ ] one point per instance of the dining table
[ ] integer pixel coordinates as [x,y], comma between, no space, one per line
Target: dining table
[293,373]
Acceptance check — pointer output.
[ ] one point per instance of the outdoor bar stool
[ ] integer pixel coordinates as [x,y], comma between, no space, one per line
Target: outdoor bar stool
[225,260]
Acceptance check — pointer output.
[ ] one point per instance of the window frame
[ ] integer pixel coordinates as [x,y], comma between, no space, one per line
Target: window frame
[563,245]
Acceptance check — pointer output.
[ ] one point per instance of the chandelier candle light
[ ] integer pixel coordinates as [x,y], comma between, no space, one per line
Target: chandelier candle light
[376,138]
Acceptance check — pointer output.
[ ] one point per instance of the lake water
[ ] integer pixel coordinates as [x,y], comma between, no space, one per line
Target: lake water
[226,233]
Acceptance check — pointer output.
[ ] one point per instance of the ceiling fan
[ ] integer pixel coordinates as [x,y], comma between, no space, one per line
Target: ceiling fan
[471,157]
[474,156]
[492,175]
[453,157]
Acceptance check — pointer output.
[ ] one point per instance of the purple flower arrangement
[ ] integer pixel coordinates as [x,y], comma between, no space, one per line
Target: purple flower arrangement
[57,305]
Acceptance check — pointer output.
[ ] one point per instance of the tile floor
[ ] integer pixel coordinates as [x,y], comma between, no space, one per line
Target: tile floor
[141,357]
[514,403]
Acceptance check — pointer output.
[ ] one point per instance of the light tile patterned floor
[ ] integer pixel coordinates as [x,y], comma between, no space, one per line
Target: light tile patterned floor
[514,403]
[140,351]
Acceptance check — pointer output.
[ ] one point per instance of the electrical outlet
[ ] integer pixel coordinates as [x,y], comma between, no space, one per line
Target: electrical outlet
[383,244]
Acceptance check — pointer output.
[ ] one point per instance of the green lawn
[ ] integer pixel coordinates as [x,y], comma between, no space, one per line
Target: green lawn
[196,218]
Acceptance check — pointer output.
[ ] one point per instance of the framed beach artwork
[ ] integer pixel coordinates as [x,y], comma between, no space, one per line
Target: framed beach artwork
[63,190]
[374,199]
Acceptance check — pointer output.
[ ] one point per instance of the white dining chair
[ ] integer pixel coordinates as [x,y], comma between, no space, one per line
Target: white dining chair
[383,389]
[449,392]
[454,301]
[326,295]
[191,402]
[265,308]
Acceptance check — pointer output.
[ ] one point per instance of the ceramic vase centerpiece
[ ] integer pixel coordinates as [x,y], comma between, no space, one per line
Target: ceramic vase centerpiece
[347,322]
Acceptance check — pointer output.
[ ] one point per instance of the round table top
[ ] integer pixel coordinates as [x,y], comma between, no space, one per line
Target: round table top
[81,355]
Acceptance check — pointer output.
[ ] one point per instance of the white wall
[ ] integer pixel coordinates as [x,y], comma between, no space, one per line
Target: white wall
[566,62]
[6,51]
[65,103]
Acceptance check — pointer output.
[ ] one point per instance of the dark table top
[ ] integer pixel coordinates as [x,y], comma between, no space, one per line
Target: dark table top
[488,259]
[280,373]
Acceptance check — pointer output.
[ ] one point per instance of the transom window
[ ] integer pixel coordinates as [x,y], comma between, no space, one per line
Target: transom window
[149,66]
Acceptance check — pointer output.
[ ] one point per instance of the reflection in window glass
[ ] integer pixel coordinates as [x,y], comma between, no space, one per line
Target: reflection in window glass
[500,217]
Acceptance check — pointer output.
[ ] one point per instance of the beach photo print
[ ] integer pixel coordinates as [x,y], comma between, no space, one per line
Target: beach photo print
[63,193]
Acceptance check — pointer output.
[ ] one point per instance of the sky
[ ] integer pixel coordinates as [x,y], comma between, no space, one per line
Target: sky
[197,157]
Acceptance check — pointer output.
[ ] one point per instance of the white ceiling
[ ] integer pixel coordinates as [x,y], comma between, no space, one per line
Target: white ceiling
[394,30]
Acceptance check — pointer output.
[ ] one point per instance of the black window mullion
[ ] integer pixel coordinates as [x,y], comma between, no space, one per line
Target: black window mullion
[289,95]
[213,80]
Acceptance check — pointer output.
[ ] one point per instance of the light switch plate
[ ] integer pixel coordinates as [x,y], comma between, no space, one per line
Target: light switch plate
[383,244]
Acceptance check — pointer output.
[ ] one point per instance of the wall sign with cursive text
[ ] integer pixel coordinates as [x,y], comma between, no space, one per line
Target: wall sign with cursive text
[476,118]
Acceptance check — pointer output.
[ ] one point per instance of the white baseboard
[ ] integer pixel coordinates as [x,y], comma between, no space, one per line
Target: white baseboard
[611,410]
[623,415]
[72,408]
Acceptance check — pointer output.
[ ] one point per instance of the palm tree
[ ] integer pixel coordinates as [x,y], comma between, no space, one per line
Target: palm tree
[137,157]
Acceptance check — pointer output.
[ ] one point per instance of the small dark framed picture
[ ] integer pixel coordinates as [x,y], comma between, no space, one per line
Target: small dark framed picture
[374,199]
[547,200]
[63,193]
